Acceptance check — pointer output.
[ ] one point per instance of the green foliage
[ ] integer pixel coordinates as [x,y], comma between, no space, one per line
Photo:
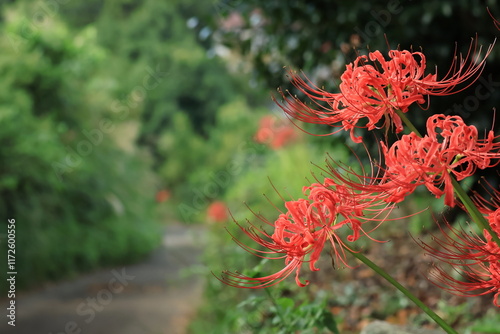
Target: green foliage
[197,157]
[193,116]
[154,34]
[487,323]
[490,323]
[71,189]
[281,174]
[283,309]
[282,315]
[204,168]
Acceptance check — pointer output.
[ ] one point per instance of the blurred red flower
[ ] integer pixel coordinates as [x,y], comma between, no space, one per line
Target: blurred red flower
[217,212]
[162,196]
[275,133]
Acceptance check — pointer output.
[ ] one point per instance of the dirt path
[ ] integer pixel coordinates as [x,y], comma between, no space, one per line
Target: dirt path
[152,297]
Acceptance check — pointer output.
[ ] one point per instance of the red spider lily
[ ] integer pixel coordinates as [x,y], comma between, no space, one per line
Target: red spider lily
[356,207]
[297,234]
[376,91]
[480,280]
[475,259]
[300,233]
[450,147]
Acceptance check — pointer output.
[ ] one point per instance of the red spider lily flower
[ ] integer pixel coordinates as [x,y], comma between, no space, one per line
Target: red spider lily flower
[475,259]
[377,90]
[217,212]
[301,232]
[480,280]
[331,200]
[450,147]
[297,235]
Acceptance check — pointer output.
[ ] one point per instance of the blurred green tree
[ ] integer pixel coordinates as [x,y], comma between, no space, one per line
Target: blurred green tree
[178,115]
[64,177]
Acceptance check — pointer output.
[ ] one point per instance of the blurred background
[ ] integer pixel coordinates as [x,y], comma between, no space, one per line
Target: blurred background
[126,125]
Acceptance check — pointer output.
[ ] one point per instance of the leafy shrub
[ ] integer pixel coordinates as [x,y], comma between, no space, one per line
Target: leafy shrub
[78,199]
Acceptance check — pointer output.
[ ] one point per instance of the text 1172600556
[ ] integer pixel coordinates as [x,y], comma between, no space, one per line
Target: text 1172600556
[11,271]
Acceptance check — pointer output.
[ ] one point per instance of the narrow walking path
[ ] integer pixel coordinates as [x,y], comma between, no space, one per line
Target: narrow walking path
[154,296]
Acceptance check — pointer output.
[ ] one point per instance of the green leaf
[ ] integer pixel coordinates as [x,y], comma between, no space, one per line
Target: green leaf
[285,303]
[329,322]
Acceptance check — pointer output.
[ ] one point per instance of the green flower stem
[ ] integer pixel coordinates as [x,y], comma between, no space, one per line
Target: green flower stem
[278,309]
[407,122]
[473,211]
[406,292]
